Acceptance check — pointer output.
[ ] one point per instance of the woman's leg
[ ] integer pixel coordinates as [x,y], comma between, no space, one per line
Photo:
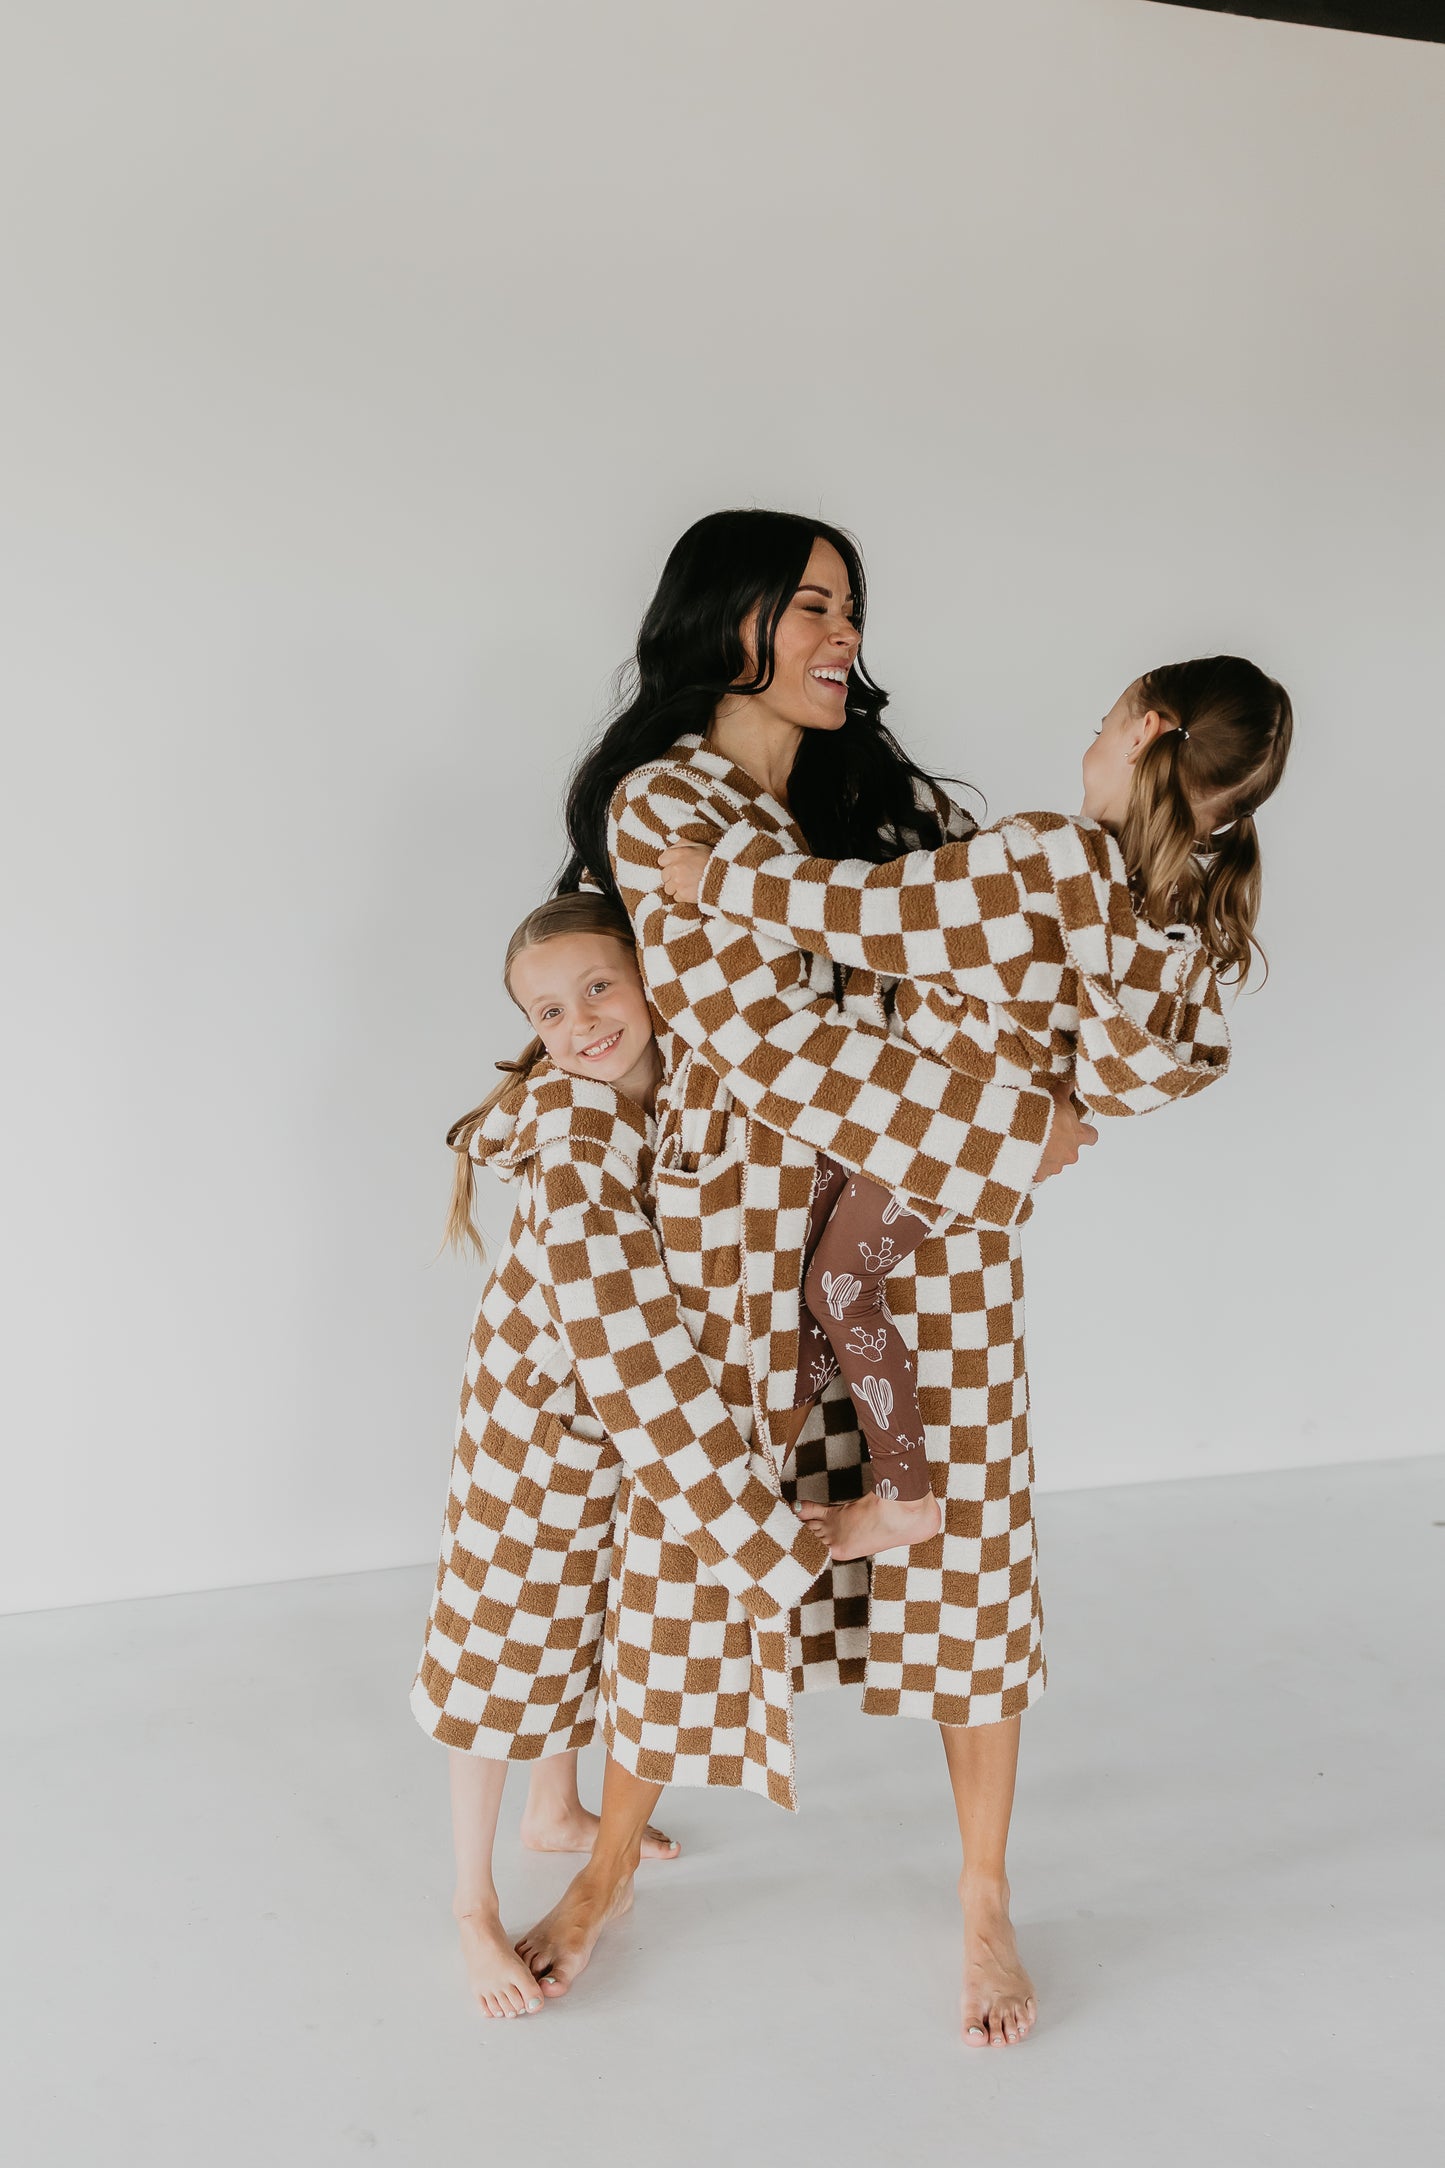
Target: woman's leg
[558,1948]
[867,1235]
[555,1820]
[998,2006]
[500,1983]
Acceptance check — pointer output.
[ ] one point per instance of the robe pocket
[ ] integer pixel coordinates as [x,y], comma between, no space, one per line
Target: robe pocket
[698,1213]
[576,1488]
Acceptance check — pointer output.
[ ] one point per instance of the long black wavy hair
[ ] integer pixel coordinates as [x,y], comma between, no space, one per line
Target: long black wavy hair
[854,792]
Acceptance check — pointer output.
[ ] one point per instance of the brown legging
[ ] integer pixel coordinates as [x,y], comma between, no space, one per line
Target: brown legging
[857,1234]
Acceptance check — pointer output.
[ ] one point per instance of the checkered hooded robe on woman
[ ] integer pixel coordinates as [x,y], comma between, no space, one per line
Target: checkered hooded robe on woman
[770,1066]
[582,1379]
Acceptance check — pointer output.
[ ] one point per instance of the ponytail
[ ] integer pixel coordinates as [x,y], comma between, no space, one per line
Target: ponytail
[462,1227]
[1157,837]
[1189,838]
[1230,892]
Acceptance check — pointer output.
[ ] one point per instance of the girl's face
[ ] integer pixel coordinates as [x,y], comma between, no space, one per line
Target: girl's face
[814,648]
[1109,762]
[582,995]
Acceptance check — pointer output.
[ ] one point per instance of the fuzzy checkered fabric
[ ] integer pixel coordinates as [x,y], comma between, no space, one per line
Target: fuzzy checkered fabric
[581,1367]
[1018,950]
[772,1065]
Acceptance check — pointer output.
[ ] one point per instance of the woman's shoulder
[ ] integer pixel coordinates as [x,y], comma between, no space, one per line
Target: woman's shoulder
[686,780]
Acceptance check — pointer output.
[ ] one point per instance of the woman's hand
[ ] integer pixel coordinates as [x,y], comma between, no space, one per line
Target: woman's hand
[682,866]
[1068,1132]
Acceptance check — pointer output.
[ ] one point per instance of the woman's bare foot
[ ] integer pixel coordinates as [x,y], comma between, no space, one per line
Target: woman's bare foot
[558,1948]
[872,1523]
[501,1984]
[998,2005]
[574,1829]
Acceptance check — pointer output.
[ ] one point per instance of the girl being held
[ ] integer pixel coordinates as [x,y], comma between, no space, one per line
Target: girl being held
[1043,948]
[581,1375]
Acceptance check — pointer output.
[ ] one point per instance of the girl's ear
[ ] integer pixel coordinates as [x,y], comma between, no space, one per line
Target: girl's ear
[1144,730]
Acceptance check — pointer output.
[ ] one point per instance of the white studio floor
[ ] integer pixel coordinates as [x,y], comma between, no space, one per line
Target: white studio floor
[227,1939]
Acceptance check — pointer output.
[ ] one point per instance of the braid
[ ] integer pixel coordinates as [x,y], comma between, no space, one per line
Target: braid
[461,1227]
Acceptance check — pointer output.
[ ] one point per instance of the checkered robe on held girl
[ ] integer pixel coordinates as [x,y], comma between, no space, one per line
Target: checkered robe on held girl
[582,1378]
[1018,950]
[771,1066]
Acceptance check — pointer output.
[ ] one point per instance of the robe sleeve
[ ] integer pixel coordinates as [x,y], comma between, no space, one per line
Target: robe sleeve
[951,917]
[1128,1065]
[795,1059]
[968,918]
[617,1313]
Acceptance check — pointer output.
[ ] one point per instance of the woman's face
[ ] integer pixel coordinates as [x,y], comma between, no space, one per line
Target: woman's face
[814,649]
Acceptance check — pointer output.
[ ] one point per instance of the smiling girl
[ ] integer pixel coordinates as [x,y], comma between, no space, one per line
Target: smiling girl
[581,1383]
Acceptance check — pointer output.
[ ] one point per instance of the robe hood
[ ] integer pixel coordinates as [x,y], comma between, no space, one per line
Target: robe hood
[568,1114]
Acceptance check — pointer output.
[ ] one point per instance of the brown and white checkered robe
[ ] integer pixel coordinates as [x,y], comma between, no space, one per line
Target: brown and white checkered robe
[581,1375]
[1018,952]
[774,1066]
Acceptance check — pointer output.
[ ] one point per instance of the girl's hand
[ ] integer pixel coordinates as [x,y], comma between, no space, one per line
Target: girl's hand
[1068,1133]
[682,866]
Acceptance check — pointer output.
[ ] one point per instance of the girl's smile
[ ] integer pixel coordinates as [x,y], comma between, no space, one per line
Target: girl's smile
[602,1048]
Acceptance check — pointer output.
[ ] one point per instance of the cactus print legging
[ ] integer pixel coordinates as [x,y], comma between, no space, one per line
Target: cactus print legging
[857,1233]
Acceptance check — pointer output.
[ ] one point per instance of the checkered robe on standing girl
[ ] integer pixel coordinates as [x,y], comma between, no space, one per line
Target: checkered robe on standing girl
[582,1378]
[770,1066]
[1018,952]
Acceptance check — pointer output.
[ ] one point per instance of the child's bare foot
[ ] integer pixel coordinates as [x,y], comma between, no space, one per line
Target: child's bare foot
[998,2005]
[871,1523]
[558,1948]
[501,1984]
[574,1829]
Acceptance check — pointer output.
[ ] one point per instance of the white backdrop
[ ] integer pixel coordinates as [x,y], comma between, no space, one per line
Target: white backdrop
[365,359]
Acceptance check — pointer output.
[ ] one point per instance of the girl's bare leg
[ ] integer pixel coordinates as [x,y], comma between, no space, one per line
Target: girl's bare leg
[998,2006]
[500,1983]
[559,1947]
[555,1820]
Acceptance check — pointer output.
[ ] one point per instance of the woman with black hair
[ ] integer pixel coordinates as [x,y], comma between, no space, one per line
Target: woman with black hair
[750,694]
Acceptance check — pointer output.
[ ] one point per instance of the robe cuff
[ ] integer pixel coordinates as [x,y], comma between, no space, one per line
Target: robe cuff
[728,886]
